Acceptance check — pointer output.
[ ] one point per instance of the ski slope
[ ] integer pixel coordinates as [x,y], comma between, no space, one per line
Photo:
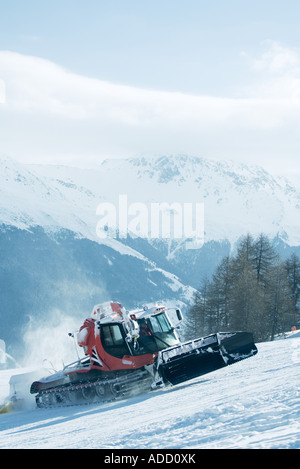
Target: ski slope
[252,404]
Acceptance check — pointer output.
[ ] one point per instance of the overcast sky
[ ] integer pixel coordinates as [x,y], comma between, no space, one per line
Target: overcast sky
[81,81]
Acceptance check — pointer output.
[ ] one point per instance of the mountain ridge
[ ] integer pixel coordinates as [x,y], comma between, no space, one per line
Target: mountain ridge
[51,254]
[237,198]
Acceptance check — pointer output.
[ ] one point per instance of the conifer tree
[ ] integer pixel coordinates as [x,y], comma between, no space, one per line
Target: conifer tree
[221,292]
[265,257]
[280,304]
[252,290]
[292,266]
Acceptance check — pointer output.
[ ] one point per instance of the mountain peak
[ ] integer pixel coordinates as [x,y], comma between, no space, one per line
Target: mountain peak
[237,198]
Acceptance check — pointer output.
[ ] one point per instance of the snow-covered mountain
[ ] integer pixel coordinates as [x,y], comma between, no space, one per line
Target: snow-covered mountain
[236,198]
[53,259]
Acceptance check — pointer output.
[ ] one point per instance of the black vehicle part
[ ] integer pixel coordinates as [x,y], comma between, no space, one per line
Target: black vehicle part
[200,356]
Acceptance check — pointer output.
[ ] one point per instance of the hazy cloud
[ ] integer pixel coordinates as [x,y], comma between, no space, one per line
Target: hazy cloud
[2,92]
[56,115]
[277,72]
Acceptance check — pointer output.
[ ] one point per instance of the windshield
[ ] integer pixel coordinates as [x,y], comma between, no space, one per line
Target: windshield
[156,333]
[113,341]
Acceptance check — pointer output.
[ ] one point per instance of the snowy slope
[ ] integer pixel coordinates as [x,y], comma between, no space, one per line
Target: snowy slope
[31,198]
[237,198]
[252,404]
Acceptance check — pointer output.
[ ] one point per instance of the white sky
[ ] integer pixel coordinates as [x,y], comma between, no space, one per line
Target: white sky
[82,81]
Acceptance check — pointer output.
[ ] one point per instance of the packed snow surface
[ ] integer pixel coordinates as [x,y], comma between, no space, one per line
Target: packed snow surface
[252,404]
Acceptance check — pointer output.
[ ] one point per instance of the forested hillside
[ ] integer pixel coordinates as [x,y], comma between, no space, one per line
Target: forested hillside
[254,290]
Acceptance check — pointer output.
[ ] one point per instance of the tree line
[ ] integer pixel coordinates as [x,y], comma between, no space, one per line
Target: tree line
[253,290]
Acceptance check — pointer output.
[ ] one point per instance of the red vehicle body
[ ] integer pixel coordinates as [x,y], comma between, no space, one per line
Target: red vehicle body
[112,357]
[131,352]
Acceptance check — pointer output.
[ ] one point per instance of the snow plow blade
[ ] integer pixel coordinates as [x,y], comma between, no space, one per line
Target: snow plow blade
[5,408]
[19,397]
[200,356]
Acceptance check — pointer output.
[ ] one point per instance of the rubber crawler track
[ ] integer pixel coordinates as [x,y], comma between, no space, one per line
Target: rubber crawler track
[98,391]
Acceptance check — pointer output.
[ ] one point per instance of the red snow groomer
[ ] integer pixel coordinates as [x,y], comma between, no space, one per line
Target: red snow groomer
[130,352]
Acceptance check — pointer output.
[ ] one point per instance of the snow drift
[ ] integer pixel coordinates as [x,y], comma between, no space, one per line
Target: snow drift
[251,404]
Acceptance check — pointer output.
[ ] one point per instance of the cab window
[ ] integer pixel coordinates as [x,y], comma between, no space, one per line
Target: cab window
[113,341]
[156,334]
